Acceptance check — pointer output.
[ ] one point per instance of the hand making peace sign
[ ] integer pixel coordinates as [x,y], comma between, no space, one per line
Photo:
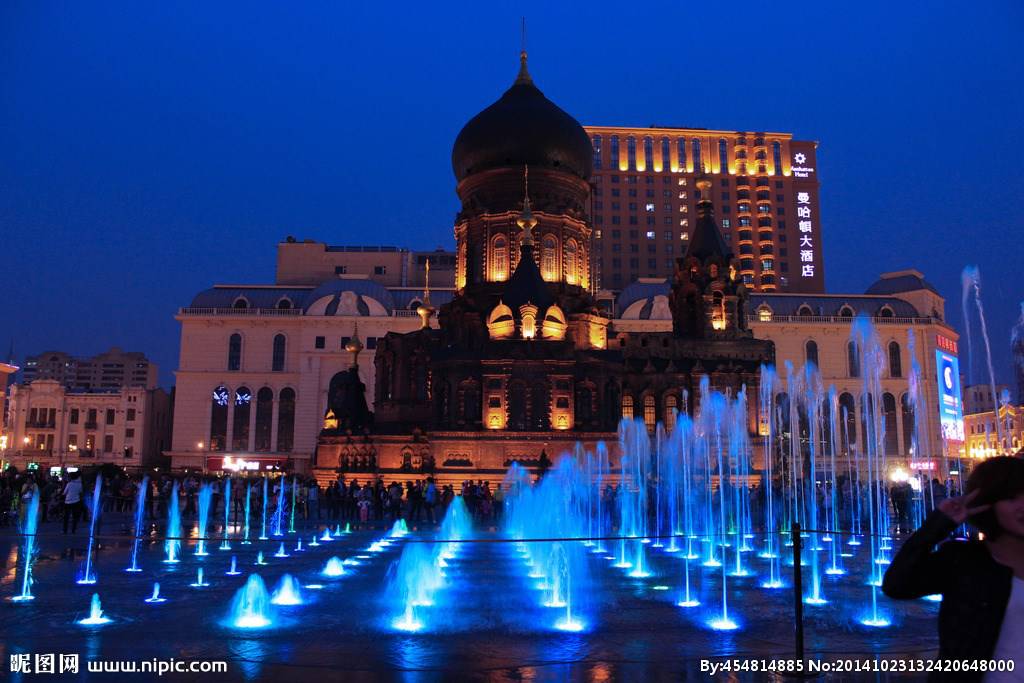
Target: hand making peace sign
[958,511]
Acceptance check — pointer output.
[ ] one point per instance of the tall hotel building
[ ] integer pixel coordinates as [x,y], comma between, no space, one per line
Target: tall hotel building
[764,190]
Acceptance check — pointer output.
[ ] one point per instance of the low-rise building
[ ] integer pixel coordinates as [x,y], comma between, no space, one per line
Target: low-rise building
[52,426]
[105,371]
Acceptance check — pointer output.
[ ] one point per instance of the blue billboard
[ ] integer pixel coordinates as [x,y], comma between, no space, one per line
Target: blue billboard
[951,412]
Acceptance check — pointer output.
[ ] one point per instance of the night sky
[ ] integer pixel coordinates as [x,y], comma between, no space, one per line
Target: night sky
[149,150]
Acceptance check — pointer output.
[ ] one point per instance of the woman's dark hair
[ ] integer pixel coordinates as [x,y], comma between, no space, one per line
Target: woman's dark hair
[995,479]
[75,475]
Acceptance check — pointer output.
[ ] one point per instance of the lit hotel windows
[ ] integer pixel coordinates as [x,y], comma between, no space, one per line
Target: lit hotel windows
[665,156]
[631,153]
[648,155]
[723,156]
[777,157]
[681,152]
[614,147]
[597,152]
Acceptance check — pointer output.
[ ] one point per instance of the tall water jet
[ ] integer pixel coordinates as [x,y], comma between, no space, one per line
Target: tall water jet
[234,567]
[173,543]
[28,531]
[88,576]
[263,511]
[225,544]
[279,511]
[412,582]
[281,552]
[287,592]
[248,498]
[291,518]
[251,608]
[199,583]
[971,283]
[95,617]
[205,496]
[140,509]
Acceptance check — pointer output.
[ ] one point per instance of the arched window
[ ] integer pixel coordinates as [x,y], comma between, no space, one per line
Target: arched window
[500,252]
[764,313]
[648,154]
[907,410]
[848,412]
[666,155]
[264,415]
[614,152]
[631,153]
[777,157]
[867,420]
[889,415]
[698,159]
[596,143]
[240,425]
[895,361]
[548,258]
[219,418]
[671,406]
[845,312]
[852,359]
[284,304]
[627,407]
[240,303]
[235,352]
[886,312]
[650,413]
[811,352]
[285,420]
[681,153]
[723,156]
[805,311]
[277,362]
[570,262]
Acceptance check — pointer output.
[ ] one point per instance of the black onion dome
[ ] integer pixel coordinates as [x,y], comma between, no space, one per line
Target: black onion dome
[522,128]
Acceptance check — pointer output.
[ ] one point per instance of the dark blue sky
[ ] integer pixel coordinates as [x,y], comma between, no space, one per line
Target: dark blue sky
[148,150]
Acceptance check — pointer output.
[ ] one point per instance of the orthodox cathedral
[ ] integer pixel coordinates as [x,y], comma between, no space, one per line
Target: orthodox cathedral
[520,364]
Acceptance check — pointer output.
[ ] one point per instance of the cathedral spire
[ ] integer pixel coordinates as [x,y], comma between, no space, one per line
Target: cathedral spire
[425,310]
[524,75]
[706,241]
[526,221]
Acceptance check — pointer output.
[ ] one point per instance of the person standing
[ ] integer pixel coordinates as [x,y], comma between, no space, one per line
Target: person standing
[981,581]
[73,506]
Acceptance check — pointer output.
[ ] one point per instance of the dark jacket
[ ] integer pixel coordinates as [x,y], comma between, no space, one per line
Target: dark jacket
[974,587]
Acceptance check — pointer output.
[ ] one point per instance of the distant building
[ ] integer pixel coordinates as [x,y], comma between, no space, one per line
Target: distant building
[52,426]
[112,369]
[764,192]
[978,398]
[310,263]
[987,438]
[6,371]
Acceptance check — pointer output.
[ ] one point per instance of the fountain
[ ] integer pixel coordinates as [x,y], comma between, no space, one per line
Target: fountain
[88,576]
[199,583]
[291,518]
[279,511]
[281,551]
[287,592]
[225,544]
[248,498]
[205,496]
[298,546]
[251,607]
[259,558]
[334,568]
[95,617]
[234,567]
[155,598]
[412,583]
[326,538]
[140,509]
[28,530]
[263,512]
[173,543]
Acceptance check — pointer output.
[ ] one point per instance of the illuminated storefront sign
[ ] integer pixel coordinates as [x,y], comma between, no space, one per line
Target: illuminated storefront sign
[946,344]
[951,415]
[799,170]
[803,213]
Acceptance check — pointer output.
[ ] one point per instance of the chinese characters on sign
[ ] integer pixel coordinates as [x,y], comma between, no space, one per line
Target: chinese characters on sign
[803,213]
[44,663]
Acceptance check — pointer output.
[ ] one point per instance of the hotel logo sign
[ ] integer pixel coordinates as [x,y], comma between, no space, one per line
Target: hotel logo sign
[799,169]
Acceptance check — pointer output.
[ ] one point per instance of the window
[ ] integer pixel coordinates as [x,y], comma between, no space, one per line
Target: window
[571,275]
[666,157]
[649,206]
[811,352]
[285,420]
[240,303]
[889,416]
[805,311]
[130,415]
[631,153]
[764,314]
[380,270]
[723,156]
[726,223]
[371,343]
[284,304]
[681,152]
[650,414]
[264,411]
[650,234]
[670,412]
[649,155]
[73,418]
[614,155]
[240,424]
[698,159]
[777,157]
[852,360]
[627,407]
[895,361]
[848,417]
[108,443]
[908,424]
[500,259]
[90,417]
[320,342]
[110,416]
[340,270]
[596,141]
[277,361]
[845,312]
[235,352]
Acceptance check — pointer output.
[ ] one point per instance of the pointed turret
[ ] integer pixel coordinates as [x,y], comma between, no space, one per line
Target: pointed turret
[706,241]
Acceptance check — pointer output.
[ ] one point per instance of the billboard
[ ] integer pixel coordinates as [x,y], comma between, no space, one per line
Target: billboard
[951,414]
